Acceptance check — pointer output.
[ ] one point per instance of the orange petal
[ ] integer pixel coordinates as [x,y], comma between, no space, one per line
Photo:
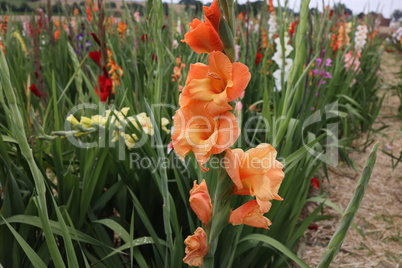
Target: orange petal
[200,201]
[200,89]
[203,38]
[197,71]
[275,176]
[213,14]
[220,99]
[220,65]
[232,162]
[241,78]
[214,109]
[228,132]
[249,214]
[258,160]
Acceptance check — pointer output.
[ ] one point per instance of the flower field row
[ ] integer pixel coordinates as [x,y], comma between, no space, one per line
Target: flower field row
[159,138]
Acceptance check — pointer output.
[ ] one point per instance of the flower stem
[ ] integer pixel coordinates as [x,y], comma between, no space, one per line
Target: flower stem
[220,215]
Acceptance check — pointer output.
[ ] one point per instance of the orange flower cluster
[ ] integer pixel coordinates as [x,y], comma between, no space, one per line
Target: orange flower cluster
[90,6]
[121,29]
[115,71]
[271,6]
[58,25]
[205,126]
[196,245]
[255,172]
[203,37]
[340,39]
[176,76]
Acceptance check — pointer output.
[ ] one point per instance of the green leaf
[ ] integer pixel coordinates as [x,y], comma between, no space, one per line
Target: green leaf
[276,245]
[116,227]
[36,261]
[350,212]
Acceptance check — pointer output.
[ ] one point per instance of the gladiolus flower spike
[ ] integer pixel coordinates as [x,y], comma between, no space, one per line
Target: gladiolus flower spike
[205,126]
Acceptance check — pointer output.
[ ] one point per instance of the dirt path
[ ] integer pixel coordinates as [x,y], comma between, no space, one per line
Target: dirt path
[380,213]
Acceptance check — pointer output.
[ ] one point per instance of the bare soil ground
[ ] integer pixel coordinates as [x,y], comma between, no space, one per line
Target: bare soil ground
[380,215]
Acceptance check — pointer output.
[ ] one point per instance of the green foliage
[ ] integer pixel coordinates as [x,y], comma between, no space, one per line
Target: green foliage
[63,205]
[350,212]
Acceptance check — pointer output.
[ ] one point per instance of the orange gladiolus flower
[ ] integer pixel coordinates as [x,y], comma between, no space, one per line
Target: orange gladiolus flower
[255,172]
[89,13]
[217,83]
[56,35]
[197,131]
[196,247]
[200,202]
[271,8]
[249,214]
[121,28]
[204,36]
[115,71]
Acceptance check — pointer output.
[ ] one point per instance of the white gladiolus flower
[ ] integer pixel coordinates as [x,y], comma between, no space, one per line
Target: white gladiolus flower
[284,63]
[175,44]
[272,25]
[278,58]
[288,65]
[360,37]
[278,79]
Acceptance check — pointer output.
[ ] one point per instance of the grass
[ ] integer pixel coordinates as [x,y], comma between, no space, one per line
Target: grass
[72,219]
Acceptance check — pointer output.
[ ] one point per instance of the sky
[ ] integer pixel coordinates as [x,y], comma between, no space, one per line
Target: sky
[386,7]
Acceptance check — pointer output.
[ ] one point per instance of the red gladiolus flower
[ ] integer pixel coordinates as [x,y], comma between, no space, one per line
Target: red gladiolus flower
[144,37]
[35,90]
[258,58]
[104,87]
[95,56]
[315,182]
[292,28]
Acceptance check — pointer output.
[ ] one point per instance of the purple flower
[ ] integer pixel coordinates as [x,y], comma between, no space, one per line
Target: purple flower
[80,37]
[327,75]
[328,62]
[315,72]
[319,61]
[321,82]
